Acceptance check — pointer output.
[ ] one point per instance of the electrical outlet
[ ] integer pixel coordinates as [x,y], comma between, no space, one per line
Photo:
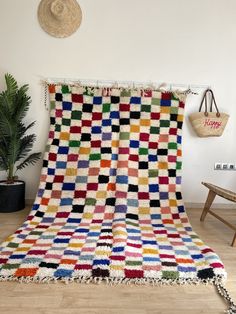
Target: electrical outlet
[224,166]
[231,166]
[217,166]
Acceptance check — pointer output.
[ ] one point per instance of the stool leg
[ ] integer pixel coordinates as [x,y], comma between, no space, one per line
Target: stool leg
[234,240]
[210,198]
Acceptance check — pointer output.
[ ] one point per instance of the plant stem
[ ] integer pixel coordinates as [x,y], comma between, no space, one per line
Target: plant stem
[10,178]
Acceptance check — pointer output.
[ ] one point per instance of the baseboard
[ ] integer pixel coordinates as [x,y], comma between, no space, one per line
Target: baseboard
[29,202]
[214,205]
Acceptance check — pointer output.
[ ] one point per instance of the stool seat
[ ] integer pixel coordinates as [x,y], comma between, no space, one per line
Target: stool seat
[226,194]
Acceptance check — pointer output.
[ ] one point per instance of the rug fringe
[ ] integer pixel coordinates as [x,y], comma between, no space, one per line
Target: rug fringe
[217,280]
[223,292]
[163,88]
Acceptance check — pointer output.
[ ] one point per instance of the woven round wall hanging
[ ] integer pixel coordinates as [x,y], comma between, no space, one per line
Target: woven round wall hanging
[59,18]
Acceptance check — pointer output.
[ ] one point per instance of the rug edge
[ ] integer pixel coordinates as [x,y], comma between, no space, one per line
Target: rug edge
[217,279]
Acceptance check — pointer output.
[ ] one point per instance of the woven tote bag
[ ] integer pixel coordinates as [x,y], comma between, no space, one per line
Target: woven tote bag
[208,123]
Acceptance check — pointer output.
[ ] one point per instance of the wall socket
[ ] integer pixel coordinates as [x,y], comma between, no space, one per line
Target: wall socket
[225,166]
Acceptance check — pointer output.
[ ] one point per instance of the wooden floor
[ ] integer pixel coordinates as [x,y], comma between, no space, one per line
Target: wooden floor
[75,298]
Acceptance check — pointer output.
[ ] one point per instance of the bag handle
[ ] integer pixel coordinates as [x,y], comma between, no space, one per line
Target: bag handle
[213,101]
[204,99]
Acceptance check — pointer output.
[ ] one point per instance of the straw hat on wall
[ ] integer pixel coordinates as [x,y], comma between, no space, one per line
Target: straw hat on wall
[59,18]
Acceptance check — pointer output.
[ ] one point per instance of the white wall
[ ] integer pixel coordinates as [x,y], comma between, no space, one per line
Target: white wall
[184,41]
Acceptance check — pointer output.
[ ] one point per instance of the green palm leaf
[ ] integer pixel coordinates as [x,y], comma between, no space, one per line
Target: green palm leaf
[25,145]
[22,129]
[30,160]
[11,83]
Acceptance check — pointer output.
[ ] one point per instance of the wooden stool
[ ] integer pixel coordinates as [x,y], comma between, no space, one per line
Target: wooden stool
[213,191]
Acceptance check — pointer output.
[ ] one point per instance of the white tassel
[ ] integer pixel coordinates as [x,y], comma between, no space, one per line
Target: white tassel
[90,86]
[225,294]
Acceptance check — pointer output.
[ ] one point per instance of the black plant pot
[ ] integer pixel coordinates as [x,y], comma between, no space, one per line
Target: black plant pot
[12,196]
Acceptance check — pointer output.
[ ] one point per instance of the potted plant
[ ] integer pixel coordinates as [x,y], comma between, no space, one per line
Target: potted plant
[15,144]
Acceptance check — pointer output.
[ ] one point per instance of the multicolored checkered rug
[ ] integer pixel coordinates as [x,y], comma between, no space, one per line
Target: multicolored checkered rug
[109,204]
